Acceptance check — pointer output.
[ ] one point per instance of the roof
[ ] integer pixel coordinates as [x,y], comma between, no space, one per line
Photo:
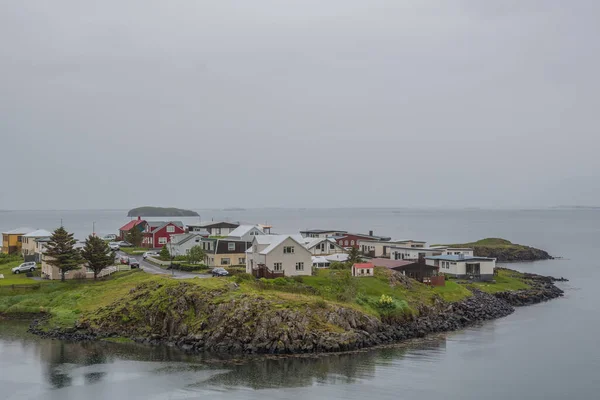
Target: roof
[40,233]
[320,260]
[19,231]
[363,265]
[222,246]
[430,249]
[131,224]
[387,263]
[395,241]
[366,236]
[184,237]
[340,257]
[459,257]
[221,224]
[323,231]
[155,226]
[309,243]
[243,230]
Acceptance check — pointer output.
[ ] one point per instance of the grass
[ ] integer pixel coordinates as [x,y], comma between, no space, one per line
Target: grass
[16,279]
[506,281]
[134,250]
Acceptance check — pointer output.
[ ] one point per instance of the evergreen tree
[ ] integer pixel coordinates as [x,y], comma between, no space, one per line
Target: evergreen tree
[97,254]
[196,255]
[164,254]
[61,252]
[135,236]
[354,256]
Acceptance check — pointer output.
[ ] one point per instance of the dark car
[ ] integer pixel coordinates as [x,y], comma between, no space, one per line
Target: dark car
[133,263]
[219,272]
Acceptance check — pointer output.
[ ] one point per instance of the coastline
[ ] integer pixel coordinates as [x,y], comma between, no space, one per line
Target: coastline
[359,331]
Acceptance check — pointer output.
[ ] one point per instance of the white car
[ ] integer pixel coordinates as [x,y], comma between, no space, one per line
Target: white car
[150,254]
[125,244]
[25,267]
[110,237]
[114,246]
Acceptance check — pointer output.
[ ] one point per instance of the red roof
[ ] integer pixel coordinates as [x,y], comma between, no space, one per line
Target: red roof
[386,262]
[131,224]
[363,265]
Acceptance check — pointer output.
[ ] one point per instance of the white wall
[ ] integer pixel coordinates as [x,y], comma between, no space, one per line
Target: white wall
[464,252]
[316,250]
[301,254]
[413,253]
[249,236]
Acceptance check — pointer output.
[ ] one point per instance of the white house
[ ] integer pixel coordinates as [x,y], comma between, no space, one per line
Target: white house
[414,253]
[322,246]
[245,233]
[376,249]
[458,251]
[29,244]
[322,233]
[181,244]
[462,266]
[278,254]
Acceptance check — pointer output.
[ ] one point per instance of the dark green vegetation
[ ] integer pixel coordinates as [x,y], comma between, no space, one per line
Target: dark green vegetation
[504,251]
[135,237]
[148,211]
[60,252]
[97,254]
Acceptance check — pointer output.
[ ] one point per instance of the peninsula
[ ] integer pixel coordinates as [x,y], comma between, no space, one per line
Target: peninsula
[504,251]
[148,211]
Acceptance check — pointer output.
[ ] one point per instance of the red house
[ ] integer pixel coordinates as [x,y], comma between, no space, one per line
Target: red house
[158,233]
[138,223]
[351,239]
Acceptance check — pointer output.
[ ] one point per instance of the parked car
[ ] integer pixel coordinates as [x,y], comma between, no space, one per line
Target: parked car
[114,246]
[150,254]
[110,237]
[124,260]
[25,267]
[219,272]
[134,263]
[125,244]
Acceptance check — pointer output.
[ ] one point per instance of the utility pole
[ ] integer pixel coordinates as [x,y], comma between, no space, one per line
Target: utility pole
[171,254]
[94,228]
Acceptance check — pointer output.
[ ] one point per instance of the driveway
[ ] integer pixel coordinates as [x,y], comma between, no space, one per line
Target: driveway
[153,269]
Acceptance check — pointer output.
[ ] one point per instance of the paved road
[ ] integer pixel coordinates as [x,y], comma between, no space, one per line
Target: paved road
[153,269]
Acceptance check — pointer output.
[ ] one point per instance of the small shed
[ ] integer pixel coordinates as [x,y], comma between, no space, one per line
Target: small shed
[363,269]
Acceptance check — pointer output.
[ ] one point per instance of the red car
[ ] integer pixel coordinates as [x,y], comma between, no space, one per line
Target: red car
[124,260]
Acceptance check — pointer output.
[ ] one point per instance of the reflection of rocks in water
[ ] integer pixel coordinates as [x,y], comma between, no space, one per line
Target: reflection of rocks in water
[94,377]
[267,372]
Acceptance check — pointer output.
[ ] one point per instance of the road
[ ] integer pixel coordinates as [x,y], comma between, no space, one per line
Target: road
[153,269]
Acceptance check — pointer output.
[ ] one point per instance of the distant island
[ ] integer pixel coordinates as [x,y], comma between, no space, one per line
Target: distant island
[161,212]
[504,250]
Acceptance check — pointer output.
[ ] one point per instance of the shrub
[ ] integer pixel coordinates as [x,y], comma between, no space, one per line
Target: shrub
[339,265]
[280,281]
[298,279]
[321,303]
[386,303]
[243,276]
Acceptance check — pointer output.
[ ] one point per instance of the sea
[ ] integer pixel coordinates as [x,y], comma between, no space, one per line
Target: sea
[546,351]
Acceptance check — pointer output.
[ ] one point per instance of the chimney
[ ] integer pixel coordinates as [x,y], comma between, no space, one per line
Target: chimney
[139,217]
[370,233]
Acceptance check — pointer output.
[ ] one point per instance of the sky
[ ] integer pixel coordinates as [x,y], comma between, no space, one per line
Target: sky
[299,103]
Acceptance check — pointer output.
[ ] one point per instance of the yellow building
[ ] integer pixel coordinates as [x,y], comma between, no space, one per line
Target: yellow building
[12,240]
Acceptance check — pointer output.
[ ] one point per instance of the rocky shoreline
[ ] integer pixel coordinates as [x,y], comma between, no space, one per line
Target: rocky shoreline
[245,330]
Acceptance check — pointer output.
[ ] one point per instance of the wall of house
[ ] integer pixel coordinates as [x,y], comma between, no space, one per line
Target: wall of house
[53,273]
[459,251]
[249,236]
[362,271]
[162,233]
[301,254]
[216,260]
[28,245]
[11,243]
[184,248]
[459,268]
[330,248]
[220,231]
[412,254]
[378,249]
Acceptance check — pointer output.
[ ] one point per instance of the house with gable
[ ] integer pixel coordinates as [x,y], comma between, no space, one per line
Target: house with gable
[278,255]
[138,223]
[245,233]
[158,233]
[322,246]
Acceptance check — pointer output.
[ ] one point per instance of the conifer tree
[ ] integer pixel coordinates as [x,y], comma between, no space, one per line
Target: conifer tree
[61,253]
[97,254]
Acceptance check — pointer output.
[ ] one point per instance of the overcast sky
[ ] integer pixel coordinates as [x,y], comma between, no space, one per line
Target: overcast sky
[117,104]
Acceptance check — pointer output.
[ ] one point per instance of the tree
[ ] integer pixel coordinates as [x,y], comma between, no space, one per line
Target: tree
[354,256]
[164,254]
[97,254]
[61,253]
[135,236]
[196,255]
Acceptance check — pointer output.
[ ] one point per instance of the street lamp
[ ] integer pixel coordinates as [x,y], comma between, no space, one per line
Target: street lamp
[171,254]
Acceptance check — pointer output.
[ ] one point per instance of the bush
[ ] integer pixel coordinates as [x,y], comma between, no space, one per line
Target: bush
[280,281]
[386,303]
[7,258]
[321,303]
[180,258]
[243,276]
[339,265]
[298,279]
[190,267]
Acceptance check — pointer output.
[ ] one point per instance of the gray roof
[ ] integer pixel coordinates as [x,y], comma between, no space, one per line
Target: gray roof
[459,258]
[40,233]
[242,230]
[156,225]
[19,231]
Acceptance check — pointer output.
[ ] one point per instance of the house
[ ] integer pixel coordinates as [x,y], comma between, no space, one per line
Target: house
[158,233]
[138,223]
[418,270]
[181,244]
[363,269]
[245,233]
[29,245]
[197,229]
[352,239]
[321,233]
[455,251]
[12,240]
[278,255]
[322,246]
[53,273]
[226,252]
[372,248]
[218,228]
[325,261]
[461,266]
[414,253]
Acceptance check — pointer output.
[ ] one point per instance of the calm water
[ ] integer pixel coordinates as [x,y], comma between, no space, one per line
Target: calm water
[547,351]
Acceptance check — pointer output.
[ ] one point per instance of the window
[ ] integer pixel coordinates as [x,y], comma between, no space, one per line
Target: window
[346,243]
[230,246]
[187,251]
[225,261]
[368,271]
[162,240]
[288,250]
[197,240]
[331,246]
[241,260]
[277,266]
[217,231]
[170,229]
[299,266]
[352,242]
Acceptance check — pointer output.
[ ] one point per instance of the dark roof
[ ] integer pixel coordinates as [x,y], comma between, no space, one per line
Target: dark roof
[386,262]
[223,246]
[155,226]
[371,237]
[220,225]
[131,224]
[323,231]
